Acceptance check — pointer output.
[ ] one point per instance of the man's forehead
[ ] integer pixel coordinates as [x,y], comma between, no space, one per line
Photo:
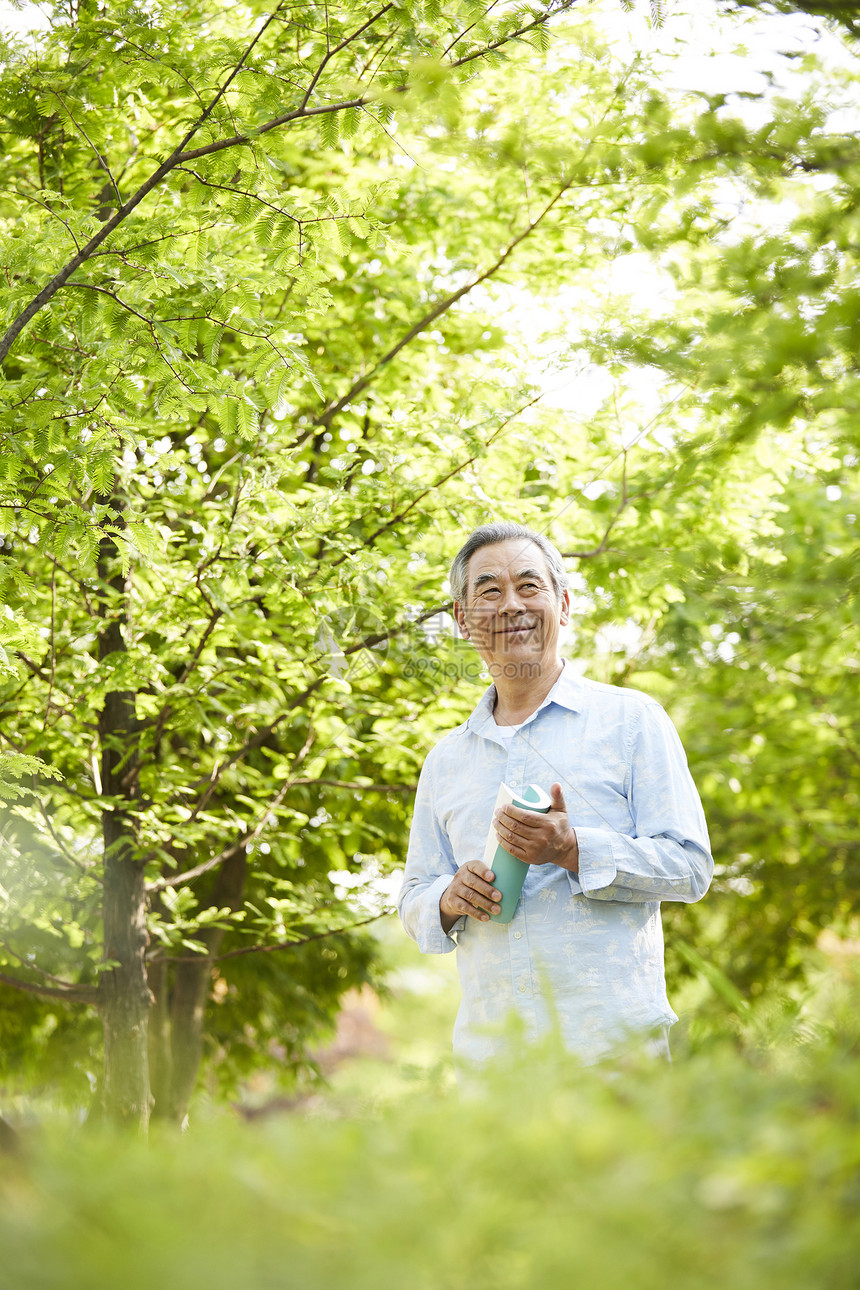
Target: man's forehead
[492,575]
[515,558]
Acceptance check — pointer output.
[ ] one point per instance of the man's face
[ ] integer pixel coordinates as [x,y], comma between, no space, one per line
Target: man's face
[512,614]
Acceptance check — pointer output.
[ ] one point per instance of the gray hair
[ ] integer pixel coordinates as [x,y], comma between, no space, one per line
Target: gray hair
[490,535]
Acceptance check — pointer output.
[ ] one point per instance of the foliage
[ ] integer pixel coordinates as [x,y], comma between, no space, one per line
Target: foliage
[271,362]
[835,11]
[724,1170]
[215,475]
[756,650]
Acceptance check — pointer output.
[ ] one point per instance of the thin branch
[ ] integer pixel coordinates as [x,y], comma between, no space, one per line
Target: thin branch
[71,577]
[179,155]
[18,748]
[49,976]
[219,770]
[100,158]
[201,121]
[625,499]
[297,114]
[168,67]
[259,738]
[161,172]
[201,645]
[471,27]
[123,251]
[69,992]
[278,945]
[330,53]
[279,210]
[243,192]
[58,842]
[53,647]
[228,852]
[367,642]
[379,56]
[540,21]
[164,713]
[31,667]
[251,836]
[442,306]
[377,638]
[103,291]
[437,483]
[40,201]
[385,130]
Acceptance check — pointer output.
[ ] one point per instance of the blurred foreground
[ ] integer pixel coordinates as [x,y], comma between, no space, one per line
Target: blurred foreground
[737,1167]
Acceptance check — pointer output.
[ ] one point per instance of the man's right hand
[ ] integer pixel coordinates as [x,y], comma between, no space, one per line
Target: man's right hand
[470,892]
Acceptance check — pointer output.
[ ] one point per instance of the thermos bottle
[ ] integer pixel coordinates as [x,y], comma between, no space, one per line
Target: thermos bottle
[511,872]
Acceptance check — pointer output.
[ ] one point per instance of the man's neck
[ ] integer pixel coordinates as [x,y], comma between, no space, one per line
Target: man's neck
[518,697]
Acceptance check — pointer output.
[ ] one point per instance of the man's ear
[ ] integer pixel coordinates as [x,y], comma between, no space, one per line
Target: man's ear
[460,619]
[564,619]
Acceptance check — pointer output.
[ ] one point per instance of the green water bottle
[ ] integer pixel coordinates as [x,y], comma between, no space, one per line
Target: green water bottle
[511,872]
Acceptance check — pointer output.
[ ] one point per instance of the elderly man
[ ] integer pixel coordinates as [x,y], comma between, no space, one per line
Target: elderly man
[625,830]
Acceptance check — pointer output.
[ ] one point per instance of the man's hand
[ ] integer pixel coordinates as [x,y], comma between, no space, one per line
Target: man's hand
[537,838]
[470,892]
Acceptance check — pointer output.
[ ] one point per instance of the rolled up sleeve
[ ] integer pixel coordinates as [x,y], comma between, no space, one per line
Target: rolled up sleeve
[430,867]
[668,855]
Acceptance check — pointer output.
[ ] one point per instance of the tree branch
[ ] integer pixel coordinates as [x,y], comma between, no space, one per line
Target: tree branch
[330,53]
[123,211]
[442,306]
[297,114]
[437,483]
[540,21]
[39,201]
[102,160]
[58,842]
[279,945]
[227,854]
[207,112]
[471,27]
[71,993]
[367,642]
[179,155]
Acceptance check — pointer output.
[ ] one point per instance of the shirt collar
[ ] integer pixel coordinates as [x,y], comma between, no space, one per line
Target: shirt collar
[567,693]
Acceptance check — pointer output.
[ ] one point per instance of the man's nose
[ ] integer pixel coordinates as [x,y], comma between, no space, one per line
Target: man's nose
[510,602]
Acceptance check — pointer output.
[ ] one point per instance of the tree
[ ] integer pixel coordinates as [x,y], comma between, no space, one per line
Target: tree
[241,430]
[190,566]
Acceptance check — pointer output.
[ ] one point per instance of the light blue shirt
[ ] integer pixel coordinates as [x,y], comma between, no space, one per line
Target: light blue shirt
[584,952]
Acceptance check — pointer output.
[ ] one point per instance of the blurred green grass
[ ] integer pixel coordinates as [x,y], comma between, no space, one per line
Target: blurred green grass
[738,1166]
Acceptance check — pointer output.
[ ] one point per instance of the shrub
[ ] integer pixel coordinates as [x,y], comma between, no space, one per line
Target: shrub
[724,1170]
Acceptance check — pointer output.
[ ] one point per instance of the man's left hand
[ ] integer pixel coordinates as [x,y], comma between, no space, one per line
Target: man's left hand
[539,838]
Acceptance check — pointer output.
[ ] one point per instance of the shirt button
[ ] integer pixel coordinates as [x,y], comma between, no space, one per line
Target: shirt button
[518,936]
[522,989]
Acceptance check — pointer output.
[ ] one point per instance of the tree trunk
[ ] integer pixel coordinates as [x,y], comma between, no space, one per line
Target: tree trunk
[187,1010]
[177,1046]
[125,997]
[159,1046]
